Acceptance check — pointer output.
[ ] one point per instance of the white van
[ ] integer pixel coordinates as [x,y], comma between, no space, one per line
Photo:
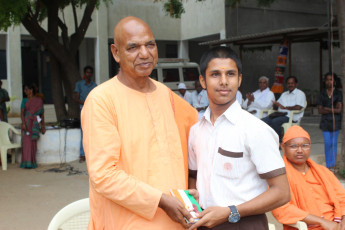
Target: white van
[173,71]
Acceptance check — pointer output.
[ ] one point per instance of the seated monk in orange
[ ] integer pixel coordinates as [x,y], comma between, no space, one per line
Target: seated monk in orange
[317,197]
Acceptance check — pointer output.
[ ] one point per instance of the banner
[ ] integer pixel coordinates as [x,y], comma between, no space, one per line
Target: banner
[278,85]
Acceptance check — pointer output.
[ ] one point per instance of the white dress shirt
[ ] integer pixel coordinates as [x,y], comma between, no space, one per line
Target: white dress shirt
[200,100]
[262,100]
[296,97]
[233,158]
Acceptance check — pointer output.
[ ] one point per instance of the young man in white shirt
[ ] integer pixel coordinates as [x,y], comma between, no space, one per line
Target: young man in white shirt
[261,99]
[234,159]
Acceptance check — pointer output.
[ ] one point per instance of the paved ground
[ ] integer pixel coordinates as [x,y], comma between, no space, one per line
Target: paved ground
[30,198]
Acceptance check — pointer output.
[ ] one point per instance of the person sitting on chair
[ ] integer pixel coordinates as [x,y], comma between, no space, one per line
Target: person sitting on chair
[317,197]
[261,99]
[293,99]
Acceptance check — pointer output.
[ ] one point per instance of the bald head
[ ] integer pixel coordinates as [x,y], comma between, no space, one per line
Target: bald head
[134,47]
[129,24]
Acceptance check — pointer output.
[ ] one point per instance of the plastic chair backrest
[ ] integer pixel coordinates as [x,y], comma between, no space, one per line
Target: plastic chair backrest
[4,135]
[73,216]
[300,225]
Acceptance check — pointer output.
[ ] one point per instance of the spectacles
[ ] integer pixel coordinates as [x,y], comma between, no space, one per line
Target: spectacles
[303,146]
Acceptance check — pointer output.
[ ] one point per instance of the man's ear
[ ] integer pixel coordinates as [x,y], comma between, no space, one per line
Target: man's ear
[202,81]
[115,51]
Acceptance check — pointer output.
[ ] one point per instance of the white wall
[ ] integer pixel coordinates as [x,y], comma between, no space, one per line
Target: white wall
[202,18]
[163,26]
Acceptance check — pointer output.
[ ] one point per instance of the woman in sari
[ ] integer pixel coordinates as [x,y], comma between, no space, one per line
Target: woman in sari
[32,123]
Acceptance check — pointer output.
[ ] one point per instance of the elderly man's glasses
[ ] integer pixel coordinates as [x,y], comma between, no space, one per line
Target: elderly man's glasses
[303,146]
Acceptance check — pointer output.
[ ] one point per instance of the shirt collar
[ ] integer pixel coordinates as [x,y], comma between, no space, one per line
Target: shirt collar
[232,114]
[293,91]
[265,90]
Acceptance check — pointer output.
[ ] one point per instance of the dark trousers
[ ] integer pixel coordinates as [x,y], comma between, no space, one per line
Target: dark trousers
[257,222]
[276,124]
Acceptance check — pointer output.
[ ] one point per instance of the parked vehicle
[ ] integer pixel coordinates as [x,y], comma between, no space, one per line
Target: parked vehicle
[173,71]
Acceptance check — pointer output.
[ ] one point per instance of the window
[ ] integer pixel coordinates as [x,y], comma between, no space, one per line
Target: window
[3,67]
[170,75]
[190,74]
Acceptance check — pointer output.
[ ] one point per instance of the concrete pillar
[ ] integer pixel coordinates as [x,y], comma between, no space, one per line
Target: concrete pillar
[101,46]
[14,67]
[183,49]
[222,35]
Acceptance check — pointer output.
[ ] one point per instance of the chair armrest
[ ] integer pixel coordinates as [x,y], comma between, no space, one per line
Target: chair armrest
[262,112]
[271,111]
[16,131]
[292,113]
[300,225]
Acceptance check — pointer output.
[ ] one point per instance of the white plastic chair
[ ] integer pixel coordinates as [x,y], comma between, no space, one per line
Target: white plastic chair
[271,226]
[288,124]
[6,144]
[74,216]
[300,225]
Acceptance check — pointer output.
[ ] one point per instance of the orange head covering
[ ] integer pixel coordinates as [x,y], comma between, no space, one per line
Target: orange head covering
[294,132]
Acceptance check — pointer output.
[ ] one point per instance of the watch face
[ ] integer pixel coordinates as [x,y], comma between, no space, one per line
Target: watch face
[234,218]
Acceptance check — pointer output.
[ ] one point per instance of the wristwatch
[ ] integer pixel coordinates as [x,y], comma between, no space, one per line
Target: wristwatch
[234,216]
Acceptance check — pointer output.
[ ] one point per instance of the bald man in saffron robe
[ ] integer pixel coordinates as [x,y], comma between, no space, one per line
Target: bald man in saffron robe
[135,140]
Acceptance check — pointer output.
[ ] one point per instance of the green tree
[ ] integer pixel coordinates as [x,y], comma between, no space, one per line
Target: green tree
[62,47]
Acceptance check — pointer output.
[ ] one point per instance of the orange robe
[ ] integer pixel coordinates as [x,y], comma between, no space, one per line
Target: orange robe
[136,149]
[318,192]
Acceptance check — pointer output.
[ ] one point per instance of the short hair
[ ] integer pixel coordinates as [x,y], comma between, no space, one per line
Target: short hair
[335,76]
[264,77]
[219,52]
[88,67]
[289,77]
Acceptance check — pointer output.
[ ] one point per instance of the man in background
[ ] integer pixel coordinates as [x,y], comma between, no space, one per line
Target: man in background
[184,93]
[82,89]
[292,99]
[261,99]
[200,99]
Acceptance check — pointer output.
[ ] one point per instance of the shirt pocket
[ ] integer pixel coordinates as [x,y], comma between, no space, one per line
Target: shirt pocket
[227,163]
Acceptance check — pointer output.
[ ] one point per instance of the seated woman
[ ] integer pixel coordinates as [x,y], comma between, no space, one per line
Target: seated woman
[317,197]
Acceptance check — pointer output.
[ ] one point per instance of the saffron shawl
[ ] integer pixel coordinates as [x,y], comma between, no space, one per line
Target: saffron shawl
[301,203]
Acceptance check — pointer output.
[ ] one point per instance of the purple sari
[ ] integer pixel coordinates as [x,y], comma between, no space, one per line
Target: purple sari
[33,108]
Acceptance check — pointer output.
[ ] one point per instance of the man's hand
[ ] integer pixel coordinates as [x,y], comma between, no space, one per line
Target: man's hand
[175,210]
[277,104]
[212,217]
[330,225]
[194,193]
[342,223]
